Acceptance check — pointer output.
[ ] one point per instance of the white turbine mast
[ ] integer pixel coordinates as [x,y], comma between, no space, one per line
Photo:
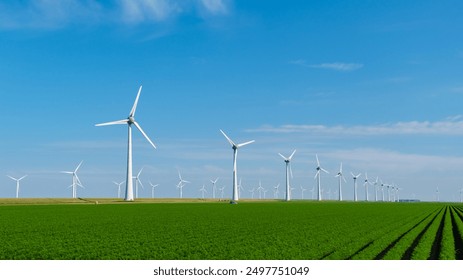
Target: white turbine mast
[75,180]
[375,183]
[355,177]
[289,172]
[317,176]
[130,120]
[235,147]
[340,175]
[17,183]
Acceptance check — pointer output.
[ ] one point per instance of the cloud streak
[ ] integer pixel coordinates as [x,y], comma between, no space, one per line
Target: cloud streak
[336,66]
[53,14]
[450,126]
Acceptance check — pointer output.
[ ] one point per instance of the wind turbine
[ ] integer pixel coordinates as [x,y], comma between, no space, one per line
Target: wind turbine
[252,192]
[461,194]
[341,177]
[75,180]
[181,183]
[138,181]
[221,191]
[355,177]
[118,188]
[240,188]
[365,184]
[317,175]
[235,147]
[203,190]
[289,172]
[276,191]
[130,121]
[259,189]
[17,183]
[437,194]
[375,183]
[152,189]
[213,186]
[302,192]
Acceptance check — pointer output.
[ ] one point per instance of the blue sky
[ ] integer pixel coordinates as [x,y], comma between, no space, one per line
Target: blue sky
[374,84]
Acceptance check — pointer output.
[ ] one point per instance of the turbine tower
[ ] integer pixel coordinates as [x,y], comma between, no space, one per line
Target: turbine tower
[130,121]
[317,176]
[289,172]
[355,184]
[341,177]
[17,183]
[75,180]
[235,147]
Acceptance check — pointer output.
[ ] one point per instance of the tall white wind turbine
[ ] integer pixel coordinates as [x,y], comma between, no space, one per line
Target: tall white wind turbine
[181,183]
[203,190]
[75,180]
[17,183]
[289,172]
[235,147]
[130,121]
[341,177]
[355,177]
[317,176]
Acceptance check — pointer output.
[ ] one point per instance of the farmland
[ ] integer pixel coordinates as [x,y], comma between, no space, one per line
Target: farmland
[82,229]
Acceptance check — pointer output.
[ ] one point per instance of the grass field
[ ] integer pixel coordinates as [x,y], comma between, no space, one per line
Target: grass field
[198,229]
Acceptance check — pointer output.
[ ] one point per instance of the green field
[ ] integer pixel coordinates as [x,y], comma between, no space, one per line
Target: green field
[197,229]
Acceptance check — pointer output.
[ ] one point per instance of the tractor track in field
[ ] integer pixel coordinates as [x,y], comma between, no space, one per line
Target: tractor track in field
[436,246]
[408,253]
[456,234]
[393,243]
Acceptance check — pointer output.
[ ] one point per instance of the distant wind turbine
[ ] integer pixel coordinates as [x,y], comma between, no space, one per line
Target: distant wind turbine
[276,191]
[17,183]
[75,180]
[289,172]
[302,192]
[138,181]
[235,147]
[341,177]
[317,176]
[365,184]
[214,187]
[355,177]
[152,189]
[203,190]
[118,188]
[130,121]
[181,183]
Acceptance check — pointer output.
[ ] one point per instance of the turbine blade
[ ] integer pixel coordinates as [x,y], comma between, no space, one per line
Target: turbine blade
[283,157]
[140,172]
[324,171]
[316,174]
[113,122]
[22,177]
[290,170]
[344,178]
[67,172]
[144,134]
[228,138]
[12,178]
[246,143]
[291,156]
[318,162]
[78,166]
[134,108]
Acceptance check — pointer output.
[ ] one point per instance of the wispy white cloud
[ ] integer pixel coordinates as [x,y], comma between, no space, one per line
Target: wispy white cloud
[450,126]
[53,14]
[336,66]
